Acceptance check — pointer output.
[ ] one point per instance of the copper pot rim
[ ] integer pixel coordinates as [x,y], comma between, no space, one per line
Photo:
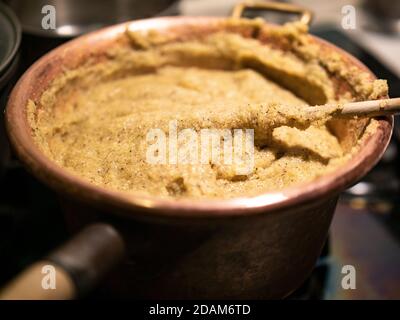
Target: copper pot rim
[130,204]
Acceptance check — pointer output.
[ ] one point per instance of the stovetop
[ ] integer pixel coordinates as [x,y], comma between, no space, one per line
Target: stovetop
[31,222]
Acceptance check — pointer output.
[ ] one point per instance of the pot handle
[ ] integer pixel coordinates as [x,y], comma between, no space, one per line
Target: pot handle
[71,270]
[305,14]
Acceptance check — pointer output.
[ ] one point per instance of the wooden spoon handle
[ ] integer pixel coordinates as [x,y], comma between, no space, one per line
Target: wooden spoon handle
[372,108]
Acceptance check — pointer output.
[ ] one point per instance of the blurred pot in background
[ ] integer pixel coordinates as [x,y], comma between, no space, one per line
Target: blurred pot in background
[75,17]
[10,39]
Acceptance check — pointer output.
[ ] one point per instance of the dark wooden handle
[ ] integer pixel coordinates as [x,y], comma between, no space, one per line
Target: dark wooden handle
[71,270]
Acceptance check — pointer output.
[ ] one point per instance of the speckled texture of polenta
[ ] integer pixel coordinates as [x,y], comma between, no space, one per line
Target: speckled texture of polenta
[93,120]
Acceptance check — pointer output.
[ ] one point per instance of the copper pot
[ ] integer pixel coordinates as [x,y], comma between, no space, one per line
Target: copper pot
[262,247]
